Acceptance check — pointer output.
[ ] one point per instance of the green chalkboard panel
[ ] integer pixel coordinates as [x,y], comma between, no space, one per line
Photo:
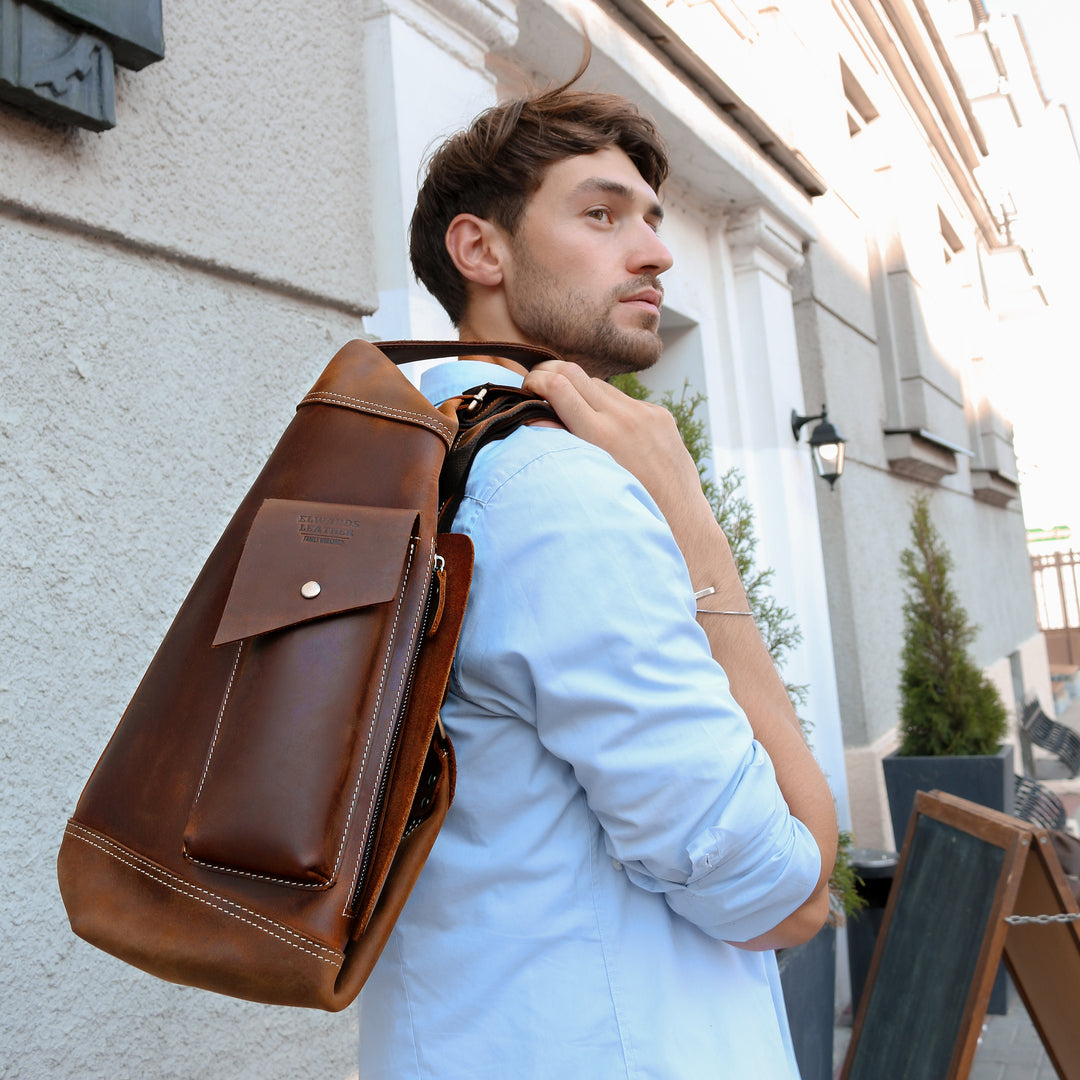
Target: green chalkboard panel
[966,872]
[930,955]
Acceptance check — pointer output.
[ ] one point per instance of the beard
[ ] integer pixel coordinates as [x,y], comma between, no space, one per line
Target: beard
[579,327]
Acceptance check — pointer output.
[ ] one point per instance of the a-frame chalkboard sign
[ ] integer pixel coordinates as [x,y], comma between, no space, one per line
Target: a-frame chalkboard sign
[963,871]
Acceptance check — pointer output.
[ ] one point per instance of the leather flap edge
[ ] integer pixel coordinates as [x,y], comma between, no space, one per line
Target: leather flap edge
[306,560]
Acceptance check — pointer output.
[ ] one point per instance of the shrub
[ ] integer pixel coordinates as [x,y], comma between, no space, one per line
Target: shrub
[948,706]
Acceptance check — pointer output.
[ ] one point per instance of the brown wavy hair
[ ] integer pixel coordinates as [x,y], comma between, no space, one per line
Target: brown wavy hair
[493,167]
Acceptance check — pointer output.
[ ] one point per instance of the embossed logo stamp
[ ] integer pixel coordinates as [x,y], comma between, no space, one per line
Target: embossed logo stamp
[319,529]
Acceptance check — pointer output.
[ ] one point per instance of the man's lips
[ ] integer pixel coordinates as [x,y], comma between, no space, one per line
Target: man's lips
[648,299]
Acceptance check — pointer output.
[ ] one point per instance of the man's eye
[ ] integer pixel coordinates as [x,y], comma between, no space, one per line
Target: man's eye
[599,213]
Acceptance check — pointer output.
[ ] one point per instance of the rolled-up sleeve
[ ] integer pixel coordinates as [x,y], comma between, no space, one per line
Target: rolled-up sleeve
[597,644]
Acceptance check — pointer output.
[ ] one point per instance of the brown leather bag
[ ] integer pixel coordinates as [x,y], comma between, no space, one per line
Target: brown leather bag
[270,795]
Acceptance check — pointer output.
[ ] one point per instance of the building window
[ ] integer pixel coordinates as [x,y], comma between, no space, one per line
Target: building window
[861,109]
[952,242]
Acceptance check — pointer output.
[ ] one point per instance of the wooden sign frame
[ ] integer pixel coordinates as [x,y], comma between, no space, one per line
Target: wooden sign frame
[963,870]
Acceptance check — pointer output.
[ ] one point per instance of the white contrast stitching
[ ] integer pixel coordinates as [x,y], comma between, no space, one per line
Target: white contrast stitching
[389,731]
[217,726]
[218,867]
[381,409]
[378,700]
[293,883]
[375,713]
[410,829]
[159,874]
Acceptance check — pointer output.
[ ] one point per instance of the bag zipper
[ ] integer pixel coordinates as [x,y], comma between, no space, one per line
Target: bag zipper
[433,601]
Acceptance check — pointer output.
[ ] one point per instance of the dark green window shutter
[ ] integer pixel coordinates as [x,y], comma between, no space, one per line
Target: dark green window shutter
[57,56]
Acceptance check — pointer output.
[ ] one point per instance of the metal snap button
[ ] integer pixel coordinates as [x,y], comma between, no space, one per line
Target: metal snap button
[310,589]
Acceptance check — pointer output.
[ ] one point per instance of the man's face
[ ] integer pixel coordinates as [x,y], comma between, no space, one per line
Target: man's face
[584,274]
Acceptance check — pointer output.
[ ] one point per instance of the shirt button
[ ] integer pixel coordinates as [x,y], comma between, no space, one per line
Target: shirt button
[616,864]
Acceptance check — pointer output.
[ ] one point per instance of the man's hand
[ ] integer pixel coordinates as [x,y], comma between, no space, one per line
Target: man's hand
[644,439]
[640,436]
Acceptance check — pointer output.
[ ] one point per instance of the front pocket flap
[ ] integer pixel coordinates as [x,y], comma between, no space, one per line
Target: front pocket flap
[306,560]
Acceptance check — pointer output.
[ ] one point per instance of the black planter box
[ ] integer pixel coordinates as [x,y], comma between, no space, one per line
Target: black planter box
[808,976]
[986,779]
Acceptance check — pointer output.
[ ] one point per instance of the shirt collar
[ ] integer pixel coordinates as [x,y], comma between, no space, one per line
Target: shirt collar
[448,380]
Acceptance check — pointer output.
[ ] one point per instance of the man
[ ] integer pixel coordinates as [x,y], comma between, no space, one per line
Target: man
[626,842]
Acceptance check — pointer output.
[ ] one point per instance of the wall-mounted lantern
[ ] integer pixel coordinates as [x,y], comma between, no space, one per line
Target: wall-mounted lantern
[826,443]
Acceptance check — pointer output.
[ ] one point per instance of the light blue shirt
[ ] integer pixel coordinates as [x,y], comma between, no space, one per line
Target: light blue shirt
[615,823]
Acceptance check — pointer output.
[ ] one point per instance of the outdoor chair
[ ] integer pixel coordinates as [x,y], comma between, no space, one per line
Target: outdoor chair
[1036,728]
[1037,804]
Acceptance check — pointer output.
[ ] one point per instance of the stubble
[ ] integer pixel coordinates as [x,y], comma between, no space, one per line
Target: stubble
[579,328]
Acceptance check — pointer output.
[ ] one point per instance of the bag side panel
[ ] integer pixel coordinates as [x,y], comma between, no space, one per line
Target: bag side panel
[409,858]
[412,771]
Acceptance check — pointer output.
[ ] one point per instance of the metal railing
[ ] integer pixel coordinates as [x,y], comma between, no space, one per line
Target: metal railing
[1056,577]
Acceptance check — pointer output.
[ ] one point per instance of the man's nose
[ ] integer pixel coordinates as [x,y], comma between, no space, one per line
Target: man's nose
[649,254]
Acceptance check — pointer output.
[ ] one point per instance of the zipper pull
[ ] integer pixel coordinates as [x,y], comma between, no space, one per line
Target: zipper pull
[438,587]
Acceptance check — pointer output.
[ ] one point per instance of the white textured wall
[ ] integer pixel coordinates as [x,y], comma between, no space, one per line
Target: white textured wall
[137,402]
[886,189]
[168,290]
[244,148]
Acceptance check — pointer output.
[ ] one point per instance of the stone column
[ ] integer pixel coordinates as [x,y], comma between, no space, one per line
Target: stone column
[766,385]
[410,47]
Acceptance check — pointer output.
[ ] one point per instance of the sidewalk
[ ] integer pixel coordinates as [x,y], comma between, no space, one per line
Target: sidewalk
[1010,1047]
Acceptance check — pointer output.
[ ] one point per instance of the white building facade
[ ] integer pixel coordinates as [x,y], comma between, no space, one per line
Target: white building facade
[172,286]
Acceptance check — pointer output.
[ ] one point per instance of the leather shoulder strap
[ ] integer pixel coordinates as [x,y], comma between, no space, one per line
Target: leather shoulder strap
[485,414]
[405,352]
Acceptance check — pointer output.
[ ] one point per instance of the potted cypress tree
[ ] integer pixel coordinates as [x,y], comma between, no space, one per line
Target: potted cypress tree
[952,720]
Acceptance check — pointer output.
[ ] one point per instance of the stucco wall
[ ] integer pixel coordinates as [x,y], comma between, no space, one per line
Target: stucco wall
[874,292]
[865,531]
[245,148]
[168,291]
[887,333]
[137,402]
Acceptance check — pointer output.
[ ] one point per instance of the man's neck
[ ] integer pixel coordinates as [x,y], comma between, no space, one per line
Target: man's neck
[473,330]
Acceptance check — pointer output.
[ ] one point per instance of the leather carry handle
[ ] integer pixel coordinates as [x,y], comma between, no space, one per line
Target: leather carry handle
[405,352]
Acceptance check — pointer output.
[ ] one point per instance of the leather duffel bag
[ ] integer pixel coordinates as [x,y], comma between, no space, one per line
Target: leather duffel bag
[264,807]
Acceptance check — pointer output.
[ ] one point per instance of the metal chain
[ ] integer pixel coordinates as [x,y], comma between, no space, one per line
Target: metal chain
[1042,920]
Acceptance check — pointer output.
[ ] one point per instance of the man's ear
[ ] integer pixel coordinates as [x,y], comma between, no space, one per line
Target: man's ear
[477,248]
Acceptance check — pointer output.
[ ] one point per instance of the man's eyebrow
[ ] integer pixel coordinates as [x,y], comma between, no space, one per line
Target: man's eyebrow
[614,187]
